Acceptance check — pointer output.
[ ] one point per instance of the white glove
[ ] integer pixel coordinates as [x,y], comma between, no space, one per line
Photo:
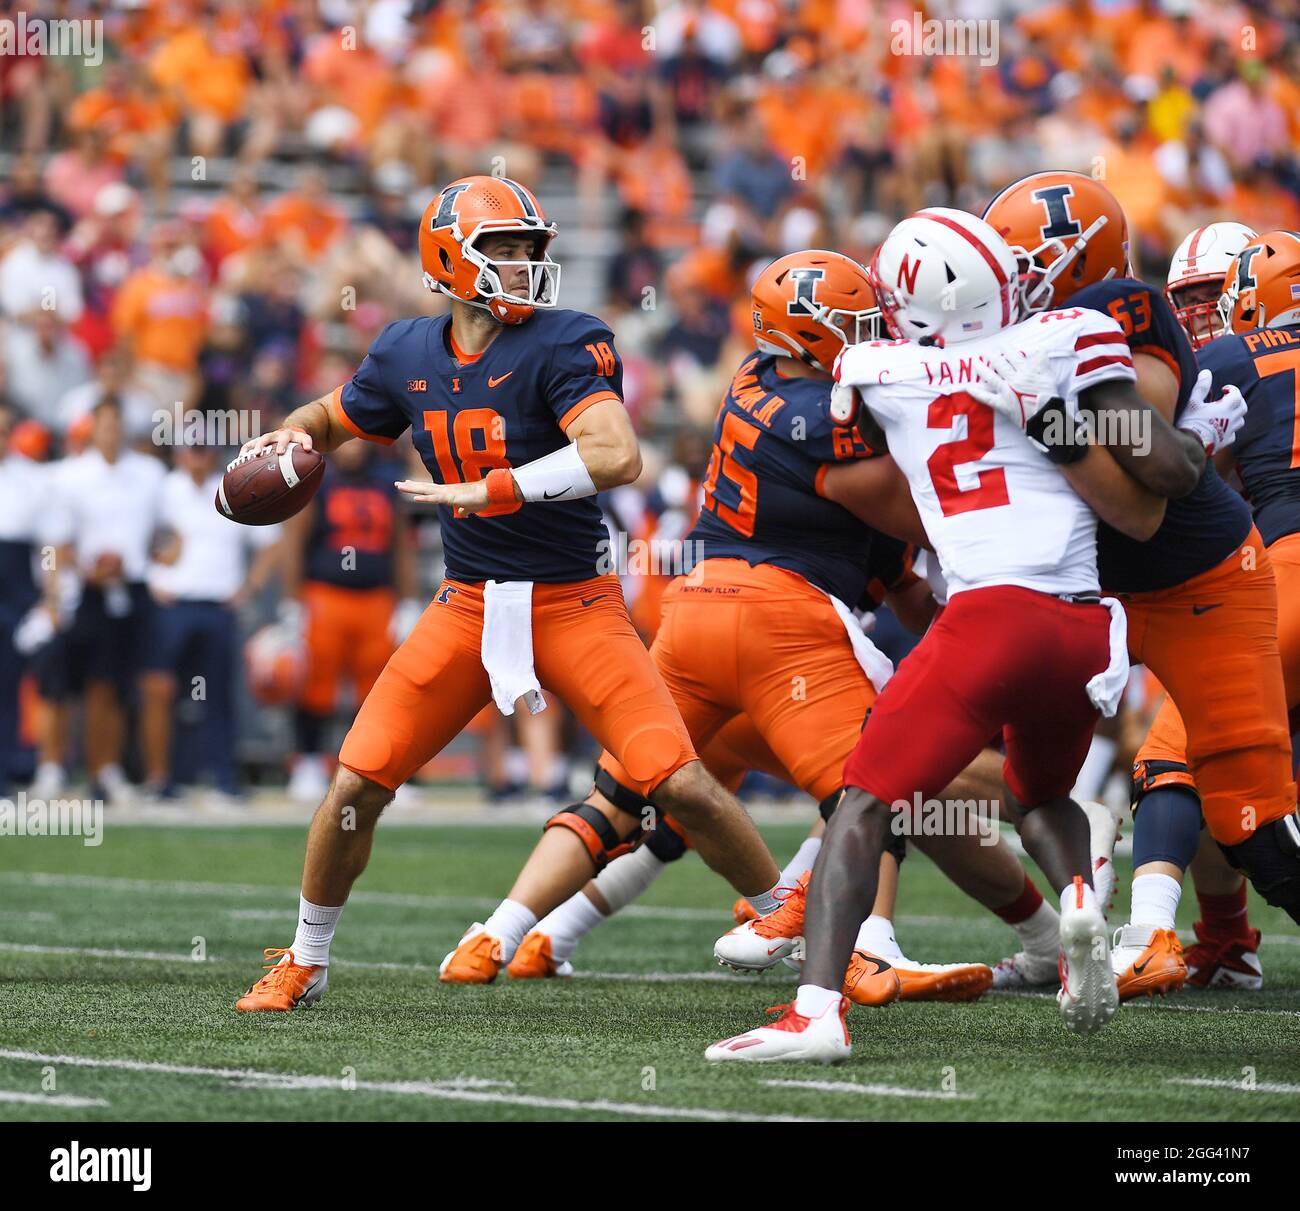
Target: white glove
[34,630]
[405,615]
[1214,423]
[1019,390]
[291,615]
[1026,394]
[845,403]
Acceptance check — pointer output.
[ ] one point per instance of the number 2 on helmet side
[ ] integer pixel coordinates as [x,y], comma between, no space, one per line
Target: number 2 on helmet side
[990,488]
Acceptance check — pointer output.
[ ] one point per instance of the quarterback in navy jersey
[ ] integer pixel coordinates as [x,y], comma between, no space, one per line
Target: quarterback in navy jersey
[515,408]
[1200,595]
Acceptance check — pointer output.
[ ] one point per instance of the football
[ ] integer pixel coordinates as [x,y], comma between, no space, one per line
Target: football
[263,488]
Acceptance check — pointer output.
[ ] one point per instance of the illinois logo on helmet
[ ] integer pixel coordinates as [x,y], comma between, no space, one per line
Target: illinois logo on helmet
[1262,286]
[463,214]
[812,304]
[1196,277]
[945,276]
[1069,230]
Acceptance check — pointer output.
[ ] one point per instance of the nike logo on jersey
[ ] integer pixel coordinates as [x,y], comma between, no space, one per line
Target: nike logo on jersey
[501,378]
[586,601]
[1205,609]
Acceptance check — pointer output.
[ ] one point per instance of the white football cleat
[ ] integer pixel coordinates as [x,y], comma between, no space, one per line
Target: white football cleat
[1089,996]
[1026,971]
[822,1040]
[762,943]
[1103,831]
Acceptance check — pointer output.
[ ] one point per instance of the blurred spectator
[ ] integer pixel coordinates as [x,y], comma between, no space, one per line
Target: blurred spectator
[35,276]
[160,316]
[105,510]
[205,568]
[1244,121]
[42,364]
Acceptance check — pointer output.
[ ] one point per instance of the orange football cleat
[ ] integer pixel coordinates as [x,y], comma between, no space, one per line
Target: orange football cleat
[286,985]
[742,910]
[534,960]
[1146,970]
[944,981]
[870,980]
[477,960]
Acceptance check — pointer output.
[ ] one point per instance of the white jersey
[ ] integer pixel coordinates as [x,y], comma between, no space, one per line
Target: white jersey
[997,512]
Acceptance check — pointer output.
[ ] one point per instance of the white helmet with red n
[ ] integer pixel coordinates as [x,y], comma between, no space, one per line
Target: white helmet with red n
[1196,277]
[944,276]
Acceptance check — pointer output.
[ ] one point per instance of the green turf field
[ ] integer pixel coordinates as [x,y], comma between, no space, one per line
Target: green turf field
[99,992]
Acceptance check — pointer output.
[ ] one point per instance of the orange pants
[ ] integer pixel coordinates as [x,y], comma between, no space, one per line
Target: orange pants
[761,642]
[585,650]
[347,633]
[1221,666]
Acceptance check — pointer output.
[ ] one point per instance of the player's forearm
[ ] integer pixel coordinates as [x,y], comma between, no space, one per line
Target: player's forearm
[317,420]
[1115,496]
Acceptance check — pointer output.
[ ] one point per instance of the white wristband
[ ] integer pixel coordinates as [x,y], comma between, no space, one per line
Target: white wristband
[560,475]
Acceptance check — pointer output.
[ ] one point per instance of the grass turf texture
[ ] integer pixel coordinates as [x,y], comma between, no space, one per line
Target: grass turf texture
[588,1049]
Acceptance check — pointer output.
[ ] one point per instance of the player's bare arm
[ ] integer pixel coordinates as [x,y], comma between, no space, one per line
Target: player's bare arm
[313,426]
[1166,460]
[1114,495]
[875,491]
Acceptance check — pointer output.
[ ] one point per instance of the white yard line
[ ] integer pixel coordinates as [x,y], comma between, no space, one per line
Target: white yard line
[49,1099]
[459,1089]
[937,1095]
[160,956]
[1207,1082]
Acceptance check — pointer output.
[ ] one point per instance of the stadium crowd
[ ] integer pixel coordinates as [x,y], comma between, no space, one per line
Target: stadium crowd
[217,219]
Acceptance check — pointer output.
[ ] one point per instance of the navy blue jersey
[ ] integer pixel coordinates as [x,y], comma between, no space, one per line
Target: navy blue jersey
[351,539]
[504,408]
[1206,526]
[772,442]
[1263,364]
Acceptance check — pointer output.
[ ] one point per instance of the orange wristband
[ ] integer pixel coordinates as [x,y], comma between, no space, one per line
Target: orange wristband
[501,487]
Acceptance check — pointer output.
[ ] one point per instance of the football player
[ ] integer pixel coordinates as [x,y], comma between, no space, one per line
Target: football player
[515,409]
[1195,281]
[1200,595]
[1025,646]
[1260,353]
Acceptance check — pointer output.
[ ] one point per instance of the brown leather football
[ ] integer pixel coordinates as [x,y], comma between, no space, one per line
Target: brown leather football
[261,489]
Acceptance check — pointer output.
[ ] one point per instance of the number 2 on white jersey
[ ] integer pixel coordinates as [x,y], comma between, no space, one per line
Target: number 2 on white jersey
[990,489]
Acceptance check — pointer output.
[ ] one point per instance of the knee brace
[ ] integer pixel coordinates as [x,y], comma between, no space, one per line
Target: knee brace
[1148,775]
[595,832]
[666,840]
[1271,861]
[623,798]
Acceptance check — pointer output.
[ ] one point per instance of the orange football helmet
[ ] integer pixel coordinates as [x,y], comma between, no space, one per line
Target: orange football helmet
[465,211]
[1069,230]
[811,304]
[276,665]
[1262,286]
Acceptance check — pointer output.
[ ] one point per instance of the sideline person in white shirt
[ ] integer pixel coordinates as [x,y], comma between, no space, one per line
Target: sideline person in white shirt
[205,567]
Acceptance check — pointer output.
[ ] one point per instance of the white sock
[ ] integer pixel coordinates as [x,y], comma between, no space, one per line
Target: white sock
[510,922]
[803,860]
[1096,769]
[1155,900]
[1040,932]
[767,901]
[812,1002]
[1068,897]
[877,936]
[316,926]
[567,925]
